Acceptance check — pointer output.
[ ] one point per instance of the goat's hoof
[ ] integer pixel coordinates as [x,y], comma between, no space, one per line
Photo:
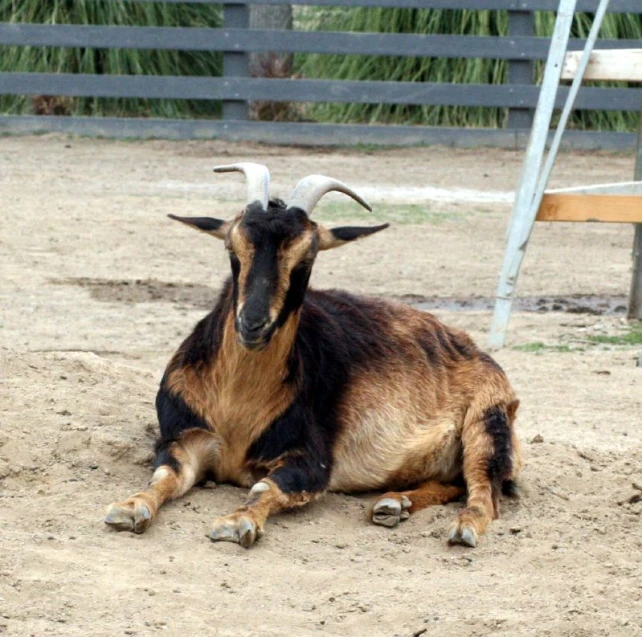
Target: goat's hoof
[389,511]
[461,534]
[239,528]
[131,515]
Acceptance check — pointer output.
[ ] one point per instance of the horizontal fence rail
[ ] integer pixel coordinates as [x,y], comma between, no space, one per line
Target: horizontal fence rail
[260,40]
[236,89]
[589,6]
[294,133]
[276,90]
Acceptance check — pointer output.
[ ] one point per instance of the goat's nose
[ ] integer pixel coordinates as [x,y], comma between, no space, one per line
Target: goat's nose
[253,324]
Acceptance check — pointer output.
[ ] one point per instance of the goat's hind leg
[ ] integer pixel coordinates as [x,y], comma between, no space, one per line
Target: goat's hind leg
[392,508]
[491,459]
[179,465]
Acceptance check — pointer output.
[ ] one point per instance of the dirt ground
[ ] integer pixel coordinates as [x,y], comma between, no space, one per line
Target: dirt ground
[98,287]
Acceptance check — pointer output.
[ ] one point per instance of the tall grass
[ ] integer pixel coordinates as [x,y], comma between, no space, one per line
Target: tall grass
[459,71]
[116,61]
[392,68]
[614,27]
[202,63]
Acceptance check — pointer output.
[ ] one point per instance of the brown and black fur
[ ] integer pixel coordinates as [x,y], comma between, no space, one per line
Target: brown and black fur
[295,392]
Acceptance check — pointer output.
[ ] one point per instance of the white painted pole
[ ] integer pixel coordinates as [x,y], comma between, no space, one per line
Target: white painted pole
[527,218]
[520,222]
[566,111]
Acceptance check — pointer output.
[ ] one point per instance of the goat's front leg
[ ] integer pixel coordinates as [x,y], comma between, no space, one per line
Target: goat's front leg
[179,465]
[295,483]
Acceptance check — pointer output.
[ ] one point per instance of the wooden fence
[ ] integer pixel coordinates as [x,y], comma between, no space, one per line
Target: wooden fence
[236,88]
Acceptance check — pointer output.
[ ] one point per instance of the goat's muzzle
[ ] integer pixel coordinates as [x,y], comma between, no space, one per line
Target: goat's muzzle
[253,332]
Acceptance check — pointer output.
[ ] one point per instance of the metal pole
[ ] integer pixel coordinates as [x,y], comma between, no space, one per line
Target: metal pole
[635,297]
[520,221]
[236,64]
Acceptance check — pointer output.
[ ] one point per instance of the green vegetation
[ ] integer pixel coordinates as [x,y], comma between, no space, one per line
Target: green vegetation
[615,26]
[456,71]
[116,61]
[203,63]
[391,68]
[541,348]
[633,336]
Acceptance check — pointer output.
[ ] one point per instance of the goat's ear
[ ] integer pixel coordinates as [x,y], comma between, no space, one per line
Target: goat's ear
[216,227]
[334,237]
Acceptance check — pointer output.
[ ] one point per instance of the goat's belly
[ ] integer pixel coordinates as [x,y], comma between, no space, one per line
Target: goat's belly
[381,452]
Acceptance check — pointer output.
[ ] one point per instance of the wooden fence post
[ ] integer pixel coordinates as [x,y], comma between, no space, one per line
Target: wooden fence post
[235,63]
[635,298]
[520,23]
[270,64]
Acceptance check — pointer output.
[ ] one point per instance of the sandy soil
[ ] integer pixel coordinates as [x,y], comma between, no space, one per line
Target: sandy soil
[97,288]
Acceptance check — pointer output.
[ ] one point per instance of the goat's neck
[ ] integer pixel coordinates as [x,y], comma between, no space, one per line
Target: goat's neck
[266,368]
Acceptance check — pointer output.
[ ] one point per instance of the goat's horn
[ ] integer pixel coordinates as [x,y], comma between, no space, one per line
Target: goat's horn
[258,180]
[310,189]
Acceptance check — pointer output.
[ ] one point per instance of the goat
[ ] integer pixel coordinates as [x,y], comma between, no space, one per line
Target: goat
[294,392]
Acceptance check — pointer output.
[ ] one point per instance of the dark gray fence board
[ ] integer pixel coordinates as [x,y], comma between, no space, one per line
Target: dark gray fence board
[520,71]
[277,90]
[616,6]
[236,63]
[257,40]
[304,134]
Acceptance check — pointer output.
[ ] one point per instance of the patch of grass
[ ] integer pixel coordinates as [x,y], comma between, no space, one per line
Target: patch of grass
[633,336]
[398,214]
[368,148]
[540,348]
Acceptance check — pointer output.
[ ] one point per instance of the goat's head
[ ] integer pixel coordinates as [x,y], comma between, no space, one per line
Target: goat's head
[272,247]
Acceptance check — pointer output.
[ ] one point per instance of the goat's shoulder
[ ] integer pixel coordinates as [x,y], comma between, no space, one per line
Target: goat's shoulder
[182,378]
[349,326]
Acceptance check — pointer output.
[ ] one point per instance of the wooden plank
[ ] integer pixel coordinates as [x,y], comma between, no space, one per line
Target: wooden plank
[616,6]
[300,133]
[522,48]
[236,63]
[604,208]
[619,188]
[521,23]
[624,65]
[259,40]
[278,90]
